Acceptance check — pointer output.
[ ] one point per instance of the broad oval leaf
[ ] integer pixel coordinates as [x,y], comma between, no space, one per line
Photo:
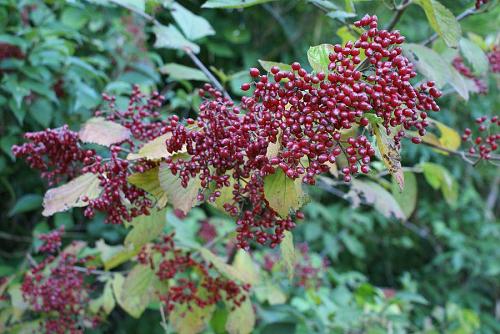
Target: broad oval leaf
[155,149]
[190,321]
[438,177]
[181,198]
[181,72]
[226,269]
[192,25]
[150,182]
[241,320]
[70,194]
[442,21]
[283,194]
[146,228]
[371,193]
[406,198]
[171,38]
[288,255]
[98,130]
[474,55]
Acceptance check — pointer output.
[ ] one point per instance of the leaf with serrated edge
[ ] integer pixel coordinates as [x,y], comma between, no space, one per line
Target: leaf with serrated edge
[146,228]
[98,130]
[191,321]
[390,154]
[181,198]
[282,193]
[193,26]
[371,193]
[70,195]
[442,21]
[241,320]
[135,292]
[155,149]
[227,270]
[150,182]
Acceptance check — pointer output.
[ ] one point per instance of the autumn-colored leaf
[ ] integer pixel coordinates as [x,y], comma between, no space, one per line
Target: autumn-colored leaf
[390,154]
[98,130]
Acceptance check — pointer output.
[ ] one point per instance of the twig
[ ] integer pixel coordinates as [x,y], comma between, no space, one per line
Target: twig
[463,15]
[399,13]
[464,155]
[205,70]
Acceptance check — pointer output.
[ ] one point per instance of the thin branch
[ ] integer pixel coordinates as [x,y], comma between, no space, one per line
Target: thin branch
[464,155]
[399,13]
[468,12]
[205,70]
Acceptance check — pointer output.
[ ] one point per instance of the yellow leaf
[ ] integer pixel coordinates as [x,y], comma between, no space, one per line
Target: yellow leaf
[156,149]
[390,154]
[150,182]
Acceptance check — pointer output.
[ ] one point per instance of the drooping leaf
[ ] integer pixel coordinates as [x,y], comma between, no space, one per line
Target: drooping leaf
[390,154]
[106,301]
[150,182]
[226,269]
[449,138]
[181,72]
[70,195]
[428,62]
[288,255]
[192,25]
[171,38]
[241,320]
[155,149]
[181,198]
[407,198]
[190,321]
[442,21]
[267,65]
[457,81]
[371,193]
[474,55]
[232,3]
[134,292]
[438,177]
[318,57]
[145,228]
[113,256]
[98,130]
[283,194]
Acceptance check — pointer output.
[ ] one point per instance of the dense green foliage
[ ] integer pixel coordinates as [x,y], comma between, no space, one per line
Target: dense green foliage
[358,269]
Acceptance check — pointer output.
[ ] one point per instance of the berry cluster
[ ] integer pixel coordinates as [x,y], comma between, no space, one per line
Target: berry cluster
[57,289]
[200,288]
[459,65]
[207,231]
[486,142]
[479,3]
[51,241]
[56,152]
[494,59]
[306,114]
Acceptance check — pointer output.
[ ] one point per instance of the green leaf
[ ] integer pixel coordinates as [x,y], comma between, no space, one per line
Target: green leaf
[245,265]
[268,64]
[232,3]
[155,149]
[181,72]
[438,177]
[106,301]
[318,57]
[146,228]
[171,38]
[287,250]
[190,321]
[282,193]
[135,292]
[98,130]
[181,198]
[26,203]
[371,193]
[150,182]
[113,256]
[70,195]
[407,198]
[225,269]
[41,110]
[193,26]
[241,320]
[474,56]
[428,62]
[390,154]
[442,21]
